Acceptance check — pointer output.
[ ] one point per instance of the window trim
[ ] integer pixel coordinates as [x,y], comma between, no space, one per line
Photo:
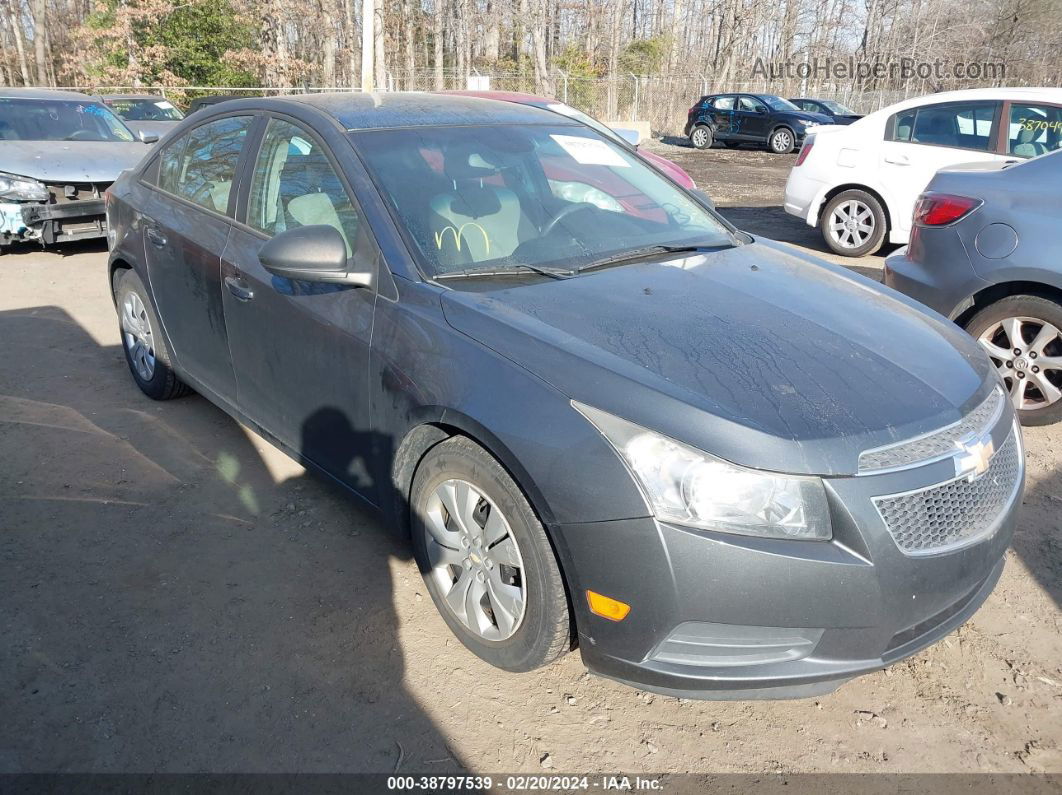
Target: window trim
[993,139]
[255,120]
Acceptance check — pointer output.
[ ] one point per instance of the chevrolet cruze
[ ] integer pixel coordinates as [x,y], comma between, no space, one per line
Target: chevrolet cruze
[710,462]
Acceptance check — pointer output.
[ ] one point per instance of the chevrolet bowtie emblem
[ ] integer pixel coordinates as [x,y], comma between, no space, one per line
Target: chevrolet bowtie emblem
[974,458]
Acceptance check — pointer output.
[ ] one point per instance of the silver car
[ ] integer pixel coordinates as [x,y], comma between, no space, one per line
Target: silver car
[144,113]
[985,251]
[59,152]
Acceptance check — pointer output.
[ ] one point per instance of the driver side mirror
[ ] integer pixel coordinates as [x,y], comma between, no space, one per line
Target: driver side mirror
[147,137]
[761,109]
[316,253]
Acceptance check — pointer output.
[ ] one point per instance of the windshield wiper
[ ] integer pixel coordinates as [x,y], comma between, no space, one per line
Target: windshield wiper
[637,254]
[516,270]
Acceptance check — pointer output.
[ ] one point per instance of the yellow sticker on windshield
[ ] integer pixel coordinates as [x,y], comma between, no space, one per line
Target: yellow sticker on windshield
[459,234]
[590,151]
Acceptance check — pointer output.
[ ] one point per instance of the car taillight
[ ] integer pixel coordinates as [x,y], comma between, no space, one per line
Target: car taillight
[941,209]
[805,150]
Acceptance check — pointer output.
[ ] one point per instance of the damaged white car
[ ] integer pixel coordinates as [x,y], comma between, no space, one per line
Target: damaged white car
[59,152]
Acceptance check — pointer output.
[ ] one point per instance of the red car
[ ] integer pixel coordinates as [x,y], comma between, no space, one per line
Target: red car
[672,170]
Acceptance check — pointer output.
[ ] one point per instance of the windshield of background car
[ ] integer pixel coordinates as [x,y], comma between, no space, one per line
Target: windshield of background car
[505,196]
[144,109]
[837,108]
[777,103]
[59,120]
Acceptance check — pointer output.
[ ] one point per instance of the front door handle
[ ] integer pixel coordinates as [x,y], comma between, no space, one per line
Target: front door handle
[239,288]
[897,160]
[157,240]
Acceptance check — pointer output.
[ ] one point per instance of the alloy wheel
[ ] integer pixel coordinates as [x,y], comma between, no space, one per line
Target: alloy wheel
[475,560]
[851,224]
[139,341]
[782,141]
[700,137]
[1027,352]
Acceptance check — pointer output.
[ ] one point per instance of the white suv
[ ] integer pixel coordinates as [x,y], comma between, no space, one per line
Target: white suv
[859,183]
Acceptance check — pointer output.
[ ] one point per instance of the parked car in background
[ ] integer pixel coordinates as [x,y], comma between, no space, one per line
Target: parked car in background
[838,113]
[722,468]
[858,184]
[735,119]
[59,152]
[211,99]
[986,252]
[673,170]
[144,112]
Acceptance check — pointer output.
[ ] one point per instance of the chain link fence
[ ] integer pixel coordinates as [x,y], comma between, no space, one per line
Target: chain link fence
[662,101]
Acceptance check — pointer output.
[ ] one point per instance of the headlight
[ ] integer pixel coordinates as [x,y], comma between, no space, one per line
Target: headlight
[689,487]
[22,189]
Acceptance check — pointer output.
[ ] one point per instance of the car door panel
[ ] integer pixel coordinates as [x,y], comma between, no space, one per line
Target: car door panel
[721,113]
[749,124]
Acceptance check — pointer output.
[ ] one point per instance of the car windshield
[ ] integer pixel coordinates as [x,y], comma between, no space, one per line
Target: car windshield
[777,103]
[837,108]
[59,120]
[510,198]
[145,109]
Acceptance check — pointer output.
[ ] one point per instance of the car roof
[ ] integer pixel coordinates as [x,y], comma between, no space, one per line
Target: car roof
[379,110]
[1041,94]
[506,96]
[44,93]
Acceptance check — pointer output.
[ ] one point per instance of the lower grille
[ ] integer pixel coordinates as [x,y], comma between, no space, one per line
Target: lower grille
[956,513]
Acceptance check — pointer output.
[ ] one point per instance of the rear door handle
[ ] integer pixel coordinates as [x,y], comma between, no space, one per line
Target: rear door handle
[897,160]
[239,288]
[157,240]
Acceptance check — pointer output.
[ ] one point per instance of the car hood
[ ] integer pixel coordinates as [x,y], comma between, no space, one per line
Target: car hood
[818,118]
[673,170]
[761,356]
[70,161]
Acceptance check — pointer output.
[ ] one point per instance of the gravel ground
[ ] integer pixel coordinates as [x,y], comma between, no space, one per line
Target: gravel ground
[177,595]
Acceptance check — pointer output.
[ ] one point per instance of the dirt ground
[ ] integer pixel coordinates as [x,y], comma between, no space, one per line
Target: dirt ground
[176,595]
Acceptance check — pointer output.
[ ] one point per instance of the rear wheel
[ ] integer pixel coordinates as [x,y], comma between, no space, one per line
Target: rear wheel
[781,141]
[701,137]
[486,560]
[145,350]
[1022,334]
[853,224]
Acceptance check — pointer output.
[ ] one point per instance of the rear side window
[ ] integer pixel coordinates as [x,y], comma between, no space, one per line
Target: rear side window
[966,125]
[723,103]
[201,165]
[1034,130]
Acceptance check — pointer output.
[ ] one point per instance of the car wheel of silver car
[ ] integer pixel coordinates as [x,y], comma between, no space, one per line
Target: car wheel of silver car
[1022,334]
[145,350]
[486,560]
[782,141]
[701,137]
[853,223]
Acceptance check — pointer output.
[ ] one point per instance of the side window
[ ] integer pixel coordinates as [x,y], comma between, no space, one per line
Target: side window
[294,184]
[1034,130]
[902,125]
[967,125]
[201,165]
[724,103]
[751,105]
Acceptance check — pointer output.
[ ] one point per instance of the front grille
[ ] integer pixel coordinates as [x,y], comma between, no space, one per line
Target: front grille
[936,445]
[955,513]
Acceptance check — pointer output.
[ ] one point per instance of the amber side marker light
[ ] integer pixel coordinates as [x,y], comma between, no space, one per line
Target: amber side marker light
[605,607]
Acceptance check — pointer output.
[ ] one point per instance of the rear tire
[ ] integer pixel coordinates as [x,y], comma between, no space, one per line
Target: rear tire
[702,137]
[868,232]
[487,563]
[145,350]
[1033,325]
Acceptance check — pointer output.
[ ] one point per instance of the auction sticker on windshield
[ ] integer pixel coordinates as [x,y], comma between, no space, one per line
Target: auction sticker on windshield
[590,152]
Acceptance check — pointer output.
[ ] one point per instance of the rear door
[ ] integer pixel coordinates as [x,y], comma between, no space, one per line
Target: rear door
[186,226]
[920,141]
[721,112]
[301,349]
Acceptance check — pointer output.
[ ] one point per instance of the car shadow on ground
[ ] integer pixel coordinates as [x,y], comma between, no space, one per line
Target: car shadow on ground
[1038,536]
[175,599]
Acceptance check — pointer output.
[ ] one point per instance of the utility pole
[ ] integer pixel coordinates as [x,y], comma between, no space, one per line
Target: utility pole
[368,29]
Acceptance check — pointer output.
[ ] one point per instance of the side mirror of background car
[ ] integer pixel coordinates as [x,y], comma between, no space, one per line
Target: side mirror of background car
[316,253]
[630,136]
[147,137]
[761,109]
[703,197]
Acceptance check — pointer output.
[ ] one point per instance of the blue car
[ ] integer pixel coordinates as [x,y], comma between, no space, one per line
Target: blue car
[735,119]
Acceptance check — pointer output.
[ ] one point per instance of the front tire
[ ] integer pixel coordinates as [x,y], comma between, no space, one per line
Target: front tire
[702,137]
[853,224]
[486,560]
[145,350]
[782,141]
[1022,334]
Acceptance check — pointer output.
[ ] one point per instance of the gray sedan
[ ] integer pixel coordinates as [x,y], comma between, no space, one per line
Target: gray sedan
[986,252]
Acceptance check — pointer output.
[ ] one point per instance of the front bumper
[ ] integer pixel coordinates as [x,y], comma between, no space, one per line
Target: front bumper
[720,616]
[52,222]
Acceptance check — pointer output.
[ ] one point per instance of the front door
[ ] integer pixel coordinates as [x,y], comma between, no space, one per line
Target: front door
[185,232]
[300,349]
[750,119]
[921,141]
